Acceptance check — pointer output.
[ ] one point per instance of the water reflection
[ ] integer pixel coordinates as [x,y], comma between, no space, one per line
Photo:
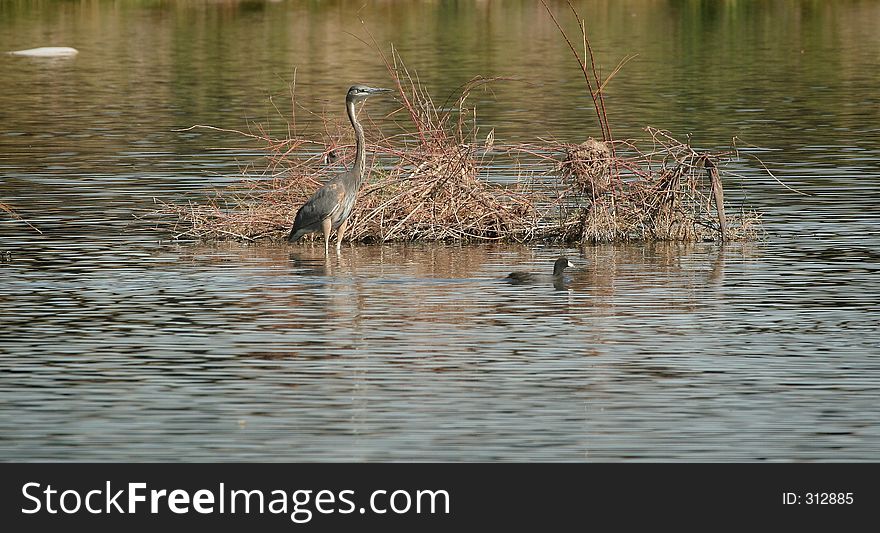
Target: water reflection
[364,356]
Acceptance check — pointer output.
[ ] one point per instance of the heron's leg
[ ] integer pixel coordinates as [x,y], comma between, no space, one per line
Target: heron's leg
[327,226]
[339,233]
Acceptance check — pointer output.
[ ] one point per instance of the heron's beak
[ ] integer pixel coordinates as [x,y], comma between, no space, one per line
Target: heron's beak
[377,90]
[570,265]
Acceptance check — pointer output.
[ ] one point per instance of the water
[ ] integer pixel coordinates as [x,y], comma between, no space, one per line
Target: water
[117,344]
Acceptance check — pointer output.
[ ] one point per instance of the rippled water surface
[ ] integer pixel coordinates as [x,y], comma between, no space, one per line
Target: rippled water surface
[119,344]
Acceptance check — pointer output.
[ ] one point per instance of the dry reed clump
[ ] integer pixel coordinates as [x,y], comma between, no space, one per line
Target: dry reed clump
[616,191]
[442,199]
[434,191]
[667,192]
[587,168]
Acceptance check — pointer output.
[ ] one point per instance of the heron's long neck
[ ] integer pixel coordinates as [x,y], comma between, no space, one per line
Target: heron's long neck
[360,158]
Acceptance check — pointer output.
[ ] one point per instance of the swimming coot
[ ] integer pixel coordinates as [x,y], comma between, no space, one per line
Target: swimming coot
[528,277]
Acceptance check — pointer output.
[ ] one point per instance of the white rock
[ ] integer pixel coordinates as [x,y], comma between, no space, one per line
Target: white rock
[47,51]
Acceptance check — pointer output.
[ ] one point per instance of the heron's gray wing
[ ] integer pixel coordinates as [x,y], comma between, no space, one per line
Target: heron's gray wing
[321,205]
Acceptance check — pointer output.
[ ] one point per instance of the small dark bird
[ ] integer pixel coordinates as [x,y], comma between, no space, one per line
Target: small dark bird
[330,206]
[528,277]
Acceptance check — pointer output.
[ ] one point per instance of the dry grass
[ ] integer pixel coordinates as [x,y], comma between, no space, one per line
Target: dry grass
[664,191]
[15,216]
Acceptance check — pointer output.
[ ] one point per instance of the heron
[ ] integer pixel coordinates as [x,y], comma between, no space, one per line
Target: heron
[330,206]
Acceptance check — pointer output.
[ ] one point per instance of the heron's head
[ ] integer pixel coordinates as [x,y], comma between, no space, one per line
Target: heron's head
[358,93]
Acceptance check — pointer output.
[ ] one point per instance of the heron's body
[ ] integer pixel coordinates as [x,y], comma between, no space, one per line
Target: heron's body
[312,214]
[330,206]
